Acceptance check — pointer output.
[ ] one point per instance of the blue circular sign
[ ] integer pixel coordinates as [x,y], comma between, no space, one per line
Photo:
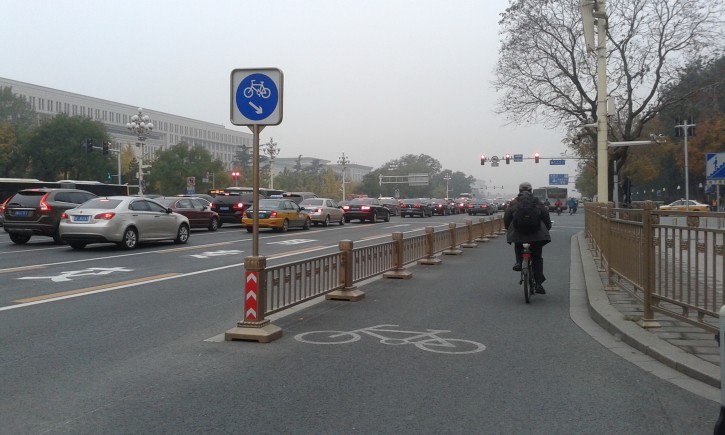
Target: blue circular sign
[257,97]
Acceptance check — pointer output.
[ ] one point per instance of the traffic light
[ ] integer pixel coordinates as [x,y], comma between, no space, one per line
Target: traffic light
[89,145]
[508,158]
[106,146]
[235,175]
[483,159]
[108,177]
[536,157]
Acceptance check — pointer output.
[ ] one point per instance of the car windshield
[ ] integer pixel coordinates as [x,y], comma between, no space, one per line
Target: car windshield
[312,202]
[365,201]
[100,203]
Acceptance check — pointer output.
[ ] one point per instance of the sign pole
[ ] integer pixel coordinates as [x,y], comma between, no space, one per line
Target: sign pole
[256,129]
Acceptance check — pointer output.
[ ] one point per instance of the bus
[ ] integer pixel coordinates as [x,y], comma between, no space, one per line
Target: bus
[551,194]
[9,186]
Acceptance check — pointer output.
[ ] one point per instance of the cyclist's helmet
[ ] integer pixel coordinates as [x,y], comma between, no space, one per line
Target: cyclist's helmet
[525,187]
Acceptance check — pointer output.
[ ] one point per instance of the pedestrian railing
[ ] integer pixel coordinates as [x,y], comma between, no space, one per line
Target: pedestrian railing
[672,261]
[285,285]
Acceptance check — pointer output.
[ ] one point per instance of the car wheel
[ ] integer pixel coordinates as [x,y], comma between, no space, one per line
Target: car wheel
[250,229]
[214,224]
[347,221]
[56,238]
[285,226]
[342,220]
[375,218]
[130,239]
[308,221]
[387,218]
[77,245]
[327,221]
[182,236]
[19,239]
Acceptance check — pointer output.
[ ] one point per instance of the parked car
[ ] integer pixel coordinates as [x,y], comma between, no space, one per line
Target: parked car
[366,209]
[482,206]
[231,206]
[323,211]
[124,220]
[440,206]
[392,204]
[277,214]
[197,210]
[682,205]
[415,207]
[37,212]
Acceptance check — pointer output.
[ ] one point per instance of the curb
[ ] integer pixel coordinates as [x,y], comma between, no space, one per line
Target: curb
[604,314]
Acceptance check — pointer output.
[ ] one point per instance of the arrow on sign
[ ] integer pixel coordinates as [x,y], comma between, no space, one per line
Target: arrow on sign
[252,295]
[251,314]
[252,277]
[256,108]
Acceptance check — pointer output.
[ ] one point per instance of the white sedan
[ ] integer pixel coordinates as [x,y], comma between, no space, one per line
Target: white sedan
[124,220]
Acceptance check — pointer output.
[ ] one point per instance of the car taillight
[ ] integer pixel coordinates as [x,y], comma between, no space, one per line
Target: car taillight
[2,206]
[44,207]
[239,206]
[105,216]
[365,207]
[273,214]
[346,207]
[318,210]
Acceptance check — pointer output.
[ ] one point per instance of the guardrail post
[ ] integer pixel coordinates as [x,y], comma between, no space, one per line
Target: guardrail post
[648,245]
[482,238]
[470,242]
[611,285]
[499,224]
[398,271]
[254,326]
[453,249]
[720,424]
[430,257]
[348,292]
[496,225]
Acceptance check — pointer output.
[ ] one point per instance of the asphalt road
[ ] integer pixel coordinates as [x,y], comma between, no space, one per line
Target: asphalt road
[90,356]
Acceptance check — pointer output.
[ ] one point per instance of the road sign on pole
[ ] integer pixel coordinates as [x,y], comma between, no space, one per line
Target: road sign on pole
[256,96]
[558,179]
[518,157]
[557,161]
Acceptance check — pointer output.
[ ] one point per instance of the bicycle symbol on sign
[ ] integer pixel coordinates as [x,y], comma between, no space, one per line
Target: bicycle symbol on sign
[257,88]
[429,340]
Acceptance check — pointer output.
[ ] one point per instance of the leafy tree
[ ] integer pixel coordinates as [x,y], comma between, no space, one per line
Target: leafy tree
[56,150]
[171,168]
[17,118]
[545,74]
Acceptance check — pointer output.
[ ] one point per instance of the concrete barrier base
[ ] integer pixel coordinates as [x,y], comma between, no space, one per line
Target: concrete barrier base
[352,295]
[265,334]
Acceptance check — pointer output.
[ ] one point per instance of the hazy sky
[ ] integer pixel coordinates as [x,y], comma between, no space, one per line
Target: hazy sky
[375,79]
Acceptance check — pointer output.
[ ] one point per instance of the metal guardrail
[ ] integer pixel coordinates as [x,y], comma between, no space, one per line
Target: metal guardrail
[672,261]
[292,283]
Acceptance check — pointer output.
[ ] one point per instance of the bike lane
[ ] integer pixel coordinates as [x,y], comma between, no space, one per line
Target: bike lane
[538,373]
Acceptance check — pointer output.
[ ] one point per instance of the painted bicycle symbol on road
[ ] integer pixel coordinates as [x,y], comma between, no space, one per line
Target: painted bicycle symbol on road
[425,340]
[257,88]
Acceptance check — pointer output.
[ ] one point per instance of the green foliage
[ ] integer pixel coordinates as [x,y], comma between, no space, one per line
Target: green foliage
[172,167]
[17,118]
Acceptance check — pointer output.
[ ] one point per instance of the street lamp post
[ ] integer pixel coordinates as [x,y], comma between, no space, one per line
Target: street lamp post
[447,178]
[272,151]
[141,126]
[343,161]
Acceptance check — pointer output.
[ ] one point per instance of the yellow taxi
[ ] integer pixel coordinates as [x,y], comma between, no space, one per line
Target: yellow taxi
[277,214]
[685,205]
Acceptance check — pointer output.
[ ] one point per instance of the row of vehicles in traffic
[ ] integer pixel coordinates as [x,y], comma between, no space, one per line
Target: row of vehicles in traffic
[78,217]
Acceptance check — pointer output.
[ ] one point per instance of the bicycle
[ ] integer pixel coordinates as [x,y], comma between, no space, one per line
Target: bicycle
[527,273]
[424,340]
[257,88]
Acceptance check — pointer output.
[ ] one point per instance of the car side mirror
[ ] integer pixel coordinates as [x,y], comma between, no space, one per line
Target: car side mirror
[169,211]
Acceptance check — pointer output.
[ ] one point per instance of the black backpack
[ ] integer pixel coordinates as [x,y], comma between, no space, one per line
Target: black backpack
[527,215]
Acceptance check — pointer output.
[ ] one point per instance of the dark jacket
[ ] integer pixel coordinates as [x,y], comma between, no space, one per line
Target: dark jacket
[541,235]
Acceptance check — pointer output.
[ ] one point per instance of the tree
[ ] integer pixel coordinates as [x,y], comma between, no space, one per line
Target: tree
[173,166]
[56,150]
[545,74]
[17,118]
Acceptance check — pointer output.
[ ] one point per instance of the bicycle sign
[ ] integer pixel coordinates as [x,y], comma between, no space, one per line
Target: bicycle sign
[424,340]
[256,96]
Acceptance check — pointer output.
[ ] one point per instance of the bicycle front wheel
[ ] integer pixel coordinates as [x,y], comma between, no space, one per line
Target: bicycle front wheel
[450,345]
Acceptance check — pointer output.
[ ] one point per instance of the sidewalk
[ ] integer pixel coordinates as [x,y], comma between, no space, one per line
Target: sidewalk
[679,345]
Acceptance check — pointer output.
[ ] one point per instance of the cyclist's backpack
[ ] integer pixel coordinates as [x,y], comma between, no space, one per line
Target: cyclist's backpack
[527,215]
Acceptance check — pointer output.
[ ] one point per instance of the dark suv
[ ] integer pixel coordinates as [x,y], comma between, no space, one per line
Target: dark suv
[230,206]
[36,212]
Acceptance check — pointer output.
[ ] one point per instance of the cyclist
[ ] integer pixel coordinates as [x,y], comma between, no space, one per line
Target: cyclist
[536,238]
[557,206]
[572,205]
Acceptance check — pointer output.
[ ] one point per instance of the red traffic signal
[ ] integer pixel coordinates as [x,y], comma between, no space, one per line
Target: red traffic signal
[235,175]
[106,147]
[508,158]
[483,159]
[536,157]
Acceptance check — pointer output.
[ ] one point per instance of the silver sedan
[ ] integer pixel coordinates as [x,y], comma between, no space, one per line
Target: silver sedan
[323,211]
[124,220]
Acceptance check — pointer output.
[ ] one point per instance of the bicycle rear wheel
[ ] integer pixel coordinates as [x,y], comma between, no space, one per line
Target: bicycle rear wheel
[525,278]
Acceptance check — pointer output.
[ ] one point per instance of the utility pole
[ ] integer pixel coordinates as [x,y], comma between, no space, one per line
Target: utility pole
[272,151]
[343,161]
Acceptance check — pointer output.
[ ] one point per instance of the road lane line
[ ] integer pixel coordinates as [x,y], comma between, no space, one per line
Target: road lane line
[22,268]
[94,289]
